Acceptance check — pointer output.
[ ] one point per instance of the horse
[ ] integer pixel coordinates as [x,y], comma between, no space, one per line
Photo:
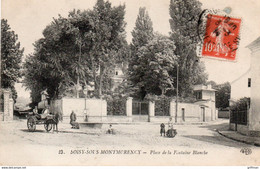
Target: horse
[54,120]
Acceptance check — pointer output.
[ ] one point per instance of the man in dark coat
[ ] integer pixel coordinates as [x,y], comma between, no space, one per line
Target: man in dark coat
[73,119]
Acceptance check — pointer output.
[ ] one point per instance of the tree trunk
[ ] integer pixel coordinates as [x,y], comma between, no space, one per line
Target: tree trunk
[102,70]
[100,86]
[77,88]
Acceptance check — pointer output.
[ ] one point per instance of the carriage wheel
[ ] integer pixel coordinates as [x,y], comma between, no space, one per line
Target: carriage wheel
[47,126]
[31,124]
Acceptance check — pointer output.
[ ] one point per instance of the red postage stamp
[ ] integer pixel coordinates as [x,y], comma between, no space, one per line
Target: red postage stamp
[221,37]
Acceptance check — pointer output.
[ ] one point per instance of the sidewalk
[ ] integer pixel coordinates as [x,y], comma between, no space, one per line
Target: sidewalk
[239,137]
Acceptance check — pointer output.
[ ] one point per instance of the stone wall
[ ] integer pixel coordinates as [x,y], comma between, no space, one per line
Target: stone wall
[223,114]
[95,110]
[8,106]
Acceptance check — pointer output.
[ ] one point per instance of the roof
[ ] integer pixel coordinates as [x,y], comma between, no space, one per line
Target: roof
[203,87]
[254,44]
[241,76]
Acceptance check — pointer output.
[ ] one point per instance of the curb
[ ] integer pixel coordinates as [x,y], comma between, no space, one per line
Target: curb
[145,123]
[242,141]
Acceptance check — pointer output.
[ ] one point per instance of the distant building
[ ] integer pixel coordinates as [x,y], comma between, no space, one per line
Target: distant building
[202,110]
[206,99]
[118,75]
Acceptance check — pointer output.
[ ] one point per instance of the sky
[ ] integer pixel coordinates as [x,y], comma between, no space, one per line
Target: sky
[28,18]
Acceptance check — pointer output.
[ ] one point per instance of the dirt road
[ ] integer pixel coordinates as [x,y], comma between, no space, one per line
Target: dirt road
[139,144]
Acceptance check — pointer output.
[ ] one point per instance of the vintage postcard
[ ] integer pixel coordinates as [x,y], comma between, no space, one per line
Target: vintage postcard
[130,83]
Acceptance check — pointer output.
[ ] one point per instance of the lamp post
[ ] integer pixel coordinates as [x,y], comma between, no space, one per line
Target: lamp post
[85,91]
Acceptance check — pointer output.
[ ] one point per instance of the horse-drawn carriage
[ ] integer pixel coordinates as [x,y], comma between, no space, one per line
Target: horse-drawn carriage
[34,120]
[47,118]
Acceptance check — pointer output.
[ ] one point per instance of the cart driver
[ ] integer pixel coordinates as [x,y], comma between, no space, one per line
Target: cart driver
[35,112]
[45,113]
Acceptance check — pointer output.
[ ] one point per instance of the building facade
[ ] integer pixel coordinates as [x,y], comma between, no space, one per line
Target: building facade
[249,85]
[254,112]
[240,87]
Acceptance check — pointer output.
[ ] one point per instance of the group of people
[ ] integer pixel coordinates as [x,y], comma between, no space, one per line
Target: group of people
[46,112]
[73,117]
[171,132]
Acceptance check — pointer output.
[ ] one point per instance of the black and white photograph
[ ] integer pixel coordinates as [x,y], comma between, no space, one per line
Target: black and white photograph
[130,83]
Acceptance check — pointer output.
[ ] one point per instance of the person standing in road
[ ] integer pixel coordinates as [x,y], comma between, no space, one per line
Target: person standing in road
[170,131]
[73,118]
[170,123]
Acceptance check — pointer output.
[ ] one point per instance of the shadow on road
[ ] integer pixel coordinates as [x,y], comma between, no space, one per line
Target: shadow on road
[27,131]
[218,139]
[80,132]
[61,131]
[220,126]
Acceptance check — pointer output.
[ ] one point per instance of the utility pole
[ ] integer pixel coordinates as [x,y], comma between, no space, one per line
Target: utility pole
[78,85]
[177,87]
[177,91]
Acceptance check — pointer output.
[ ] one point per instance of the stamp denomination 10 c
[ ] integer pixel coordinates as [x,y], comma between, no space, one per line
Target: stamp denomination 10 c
[221,38]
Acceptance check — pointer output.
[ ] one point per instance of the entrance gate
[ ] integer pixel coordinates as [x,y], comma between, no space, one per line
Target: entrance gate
[140,111]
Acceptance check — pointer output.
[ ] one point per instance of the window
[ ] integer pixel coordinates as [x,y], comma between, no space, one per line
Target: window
[249,82]
[199,95]
[116,72]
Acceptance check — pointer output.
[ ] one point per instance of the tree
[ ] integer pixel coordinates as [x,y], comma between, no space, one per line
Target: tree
[103,39]
[223,95]
[77,50]
[143,31]
[109,37]
[11,57]
[156,60]
[142,34]
[212,83]
[54,64]
[183,22]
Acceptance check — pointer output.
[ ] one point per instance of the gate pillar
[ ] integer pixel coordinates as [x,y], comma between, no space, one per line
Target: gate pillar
[151,108]
[129,106]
